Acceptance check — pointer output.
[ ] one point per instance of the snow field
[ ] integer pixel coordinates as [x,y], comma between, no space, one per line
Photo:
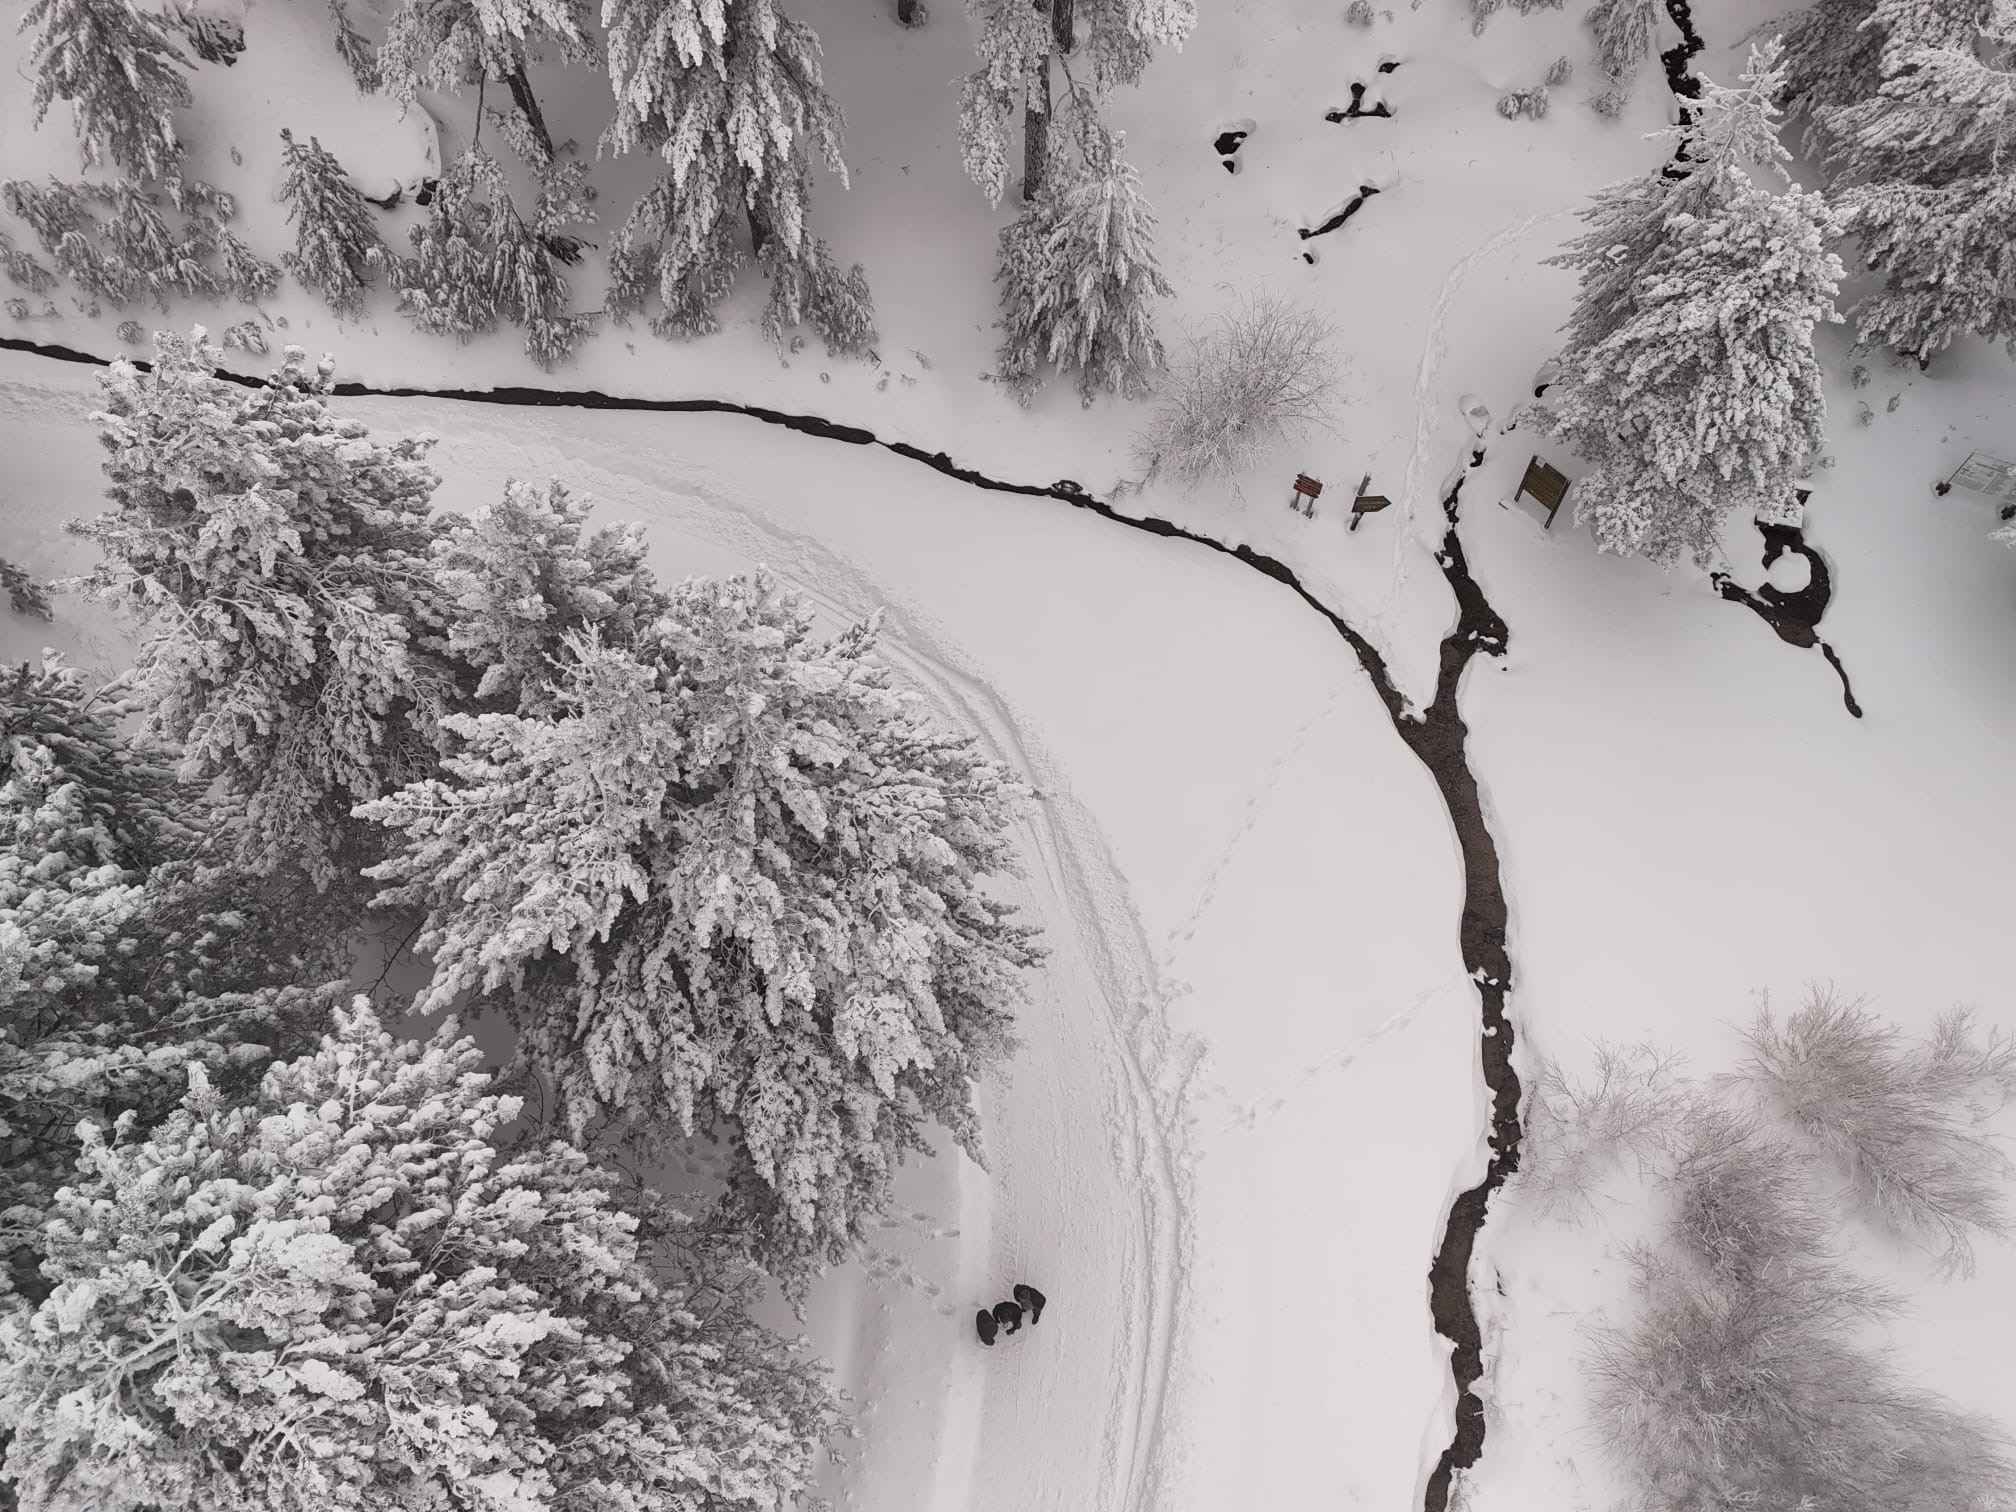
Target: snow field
[1254,984]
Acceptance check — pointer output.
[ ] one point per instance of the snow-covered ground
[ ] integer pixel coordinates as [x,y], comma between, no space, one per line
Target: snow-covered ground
[1250,1080]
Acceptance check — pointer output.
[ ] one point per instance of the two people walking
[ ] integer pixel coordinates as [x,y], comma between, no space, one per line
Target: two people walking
[1007,1316]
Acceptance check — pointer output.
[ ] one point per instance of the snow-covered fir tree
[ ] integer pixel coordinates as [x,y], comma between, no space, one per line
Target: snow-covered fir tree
[522,575]
[122,76]
[1839,52]
[338,1291]
[276,557]
[1079,281]
[1020,47]
[730,95]
[337,248]
[1688,380]
[1924,177]
[1625,36]
[455,44]
[476,257]
[125,954]
[730,882]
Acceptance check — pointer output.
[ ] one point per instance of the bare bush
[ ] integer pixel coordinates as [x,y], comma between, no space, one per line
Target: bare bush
[1900,1118]
[1263,373]
[1742,1199]
[1578,1131]
[1728,1394]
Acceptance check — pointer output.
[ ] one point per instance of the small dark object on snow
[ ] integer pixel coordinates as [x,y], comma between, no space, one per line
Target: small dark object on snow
[424,196]
[984,1321]
[1032,1302]
[1367,503]
[1307,490]
[1546,485]
[390,202]
[1008,1315]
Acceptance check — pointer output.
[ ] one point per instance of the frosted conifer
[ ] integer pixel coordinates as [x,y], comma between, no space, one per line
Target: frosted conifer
[337,1291]
[1625,32]
[731,96]
[1688,381]
[730,882]
[123,77]
[337,249]
[452,44]
[476,258]
[275,554]
[1079,281]
[524,574]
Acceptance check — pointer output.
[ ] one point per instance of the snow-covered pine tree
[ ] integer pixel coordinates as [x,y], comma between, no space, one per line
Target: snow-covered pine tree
[521,576]
[357,53]
[276,556]
[1839,52]
[730,882]
[124,955]
[452,44]
[1947,259]
[337,248]
[1079,279]
[1928,187]
[338,1291]
[730,94]
[476,257]
[1016,44]
[1625,32]
[1688,380]
[123,77]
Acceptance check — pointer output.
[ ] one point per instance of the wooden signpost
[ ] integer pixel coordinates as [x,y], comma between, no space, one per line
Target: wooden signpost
[1366,503]
[1306,492]
[1547,485]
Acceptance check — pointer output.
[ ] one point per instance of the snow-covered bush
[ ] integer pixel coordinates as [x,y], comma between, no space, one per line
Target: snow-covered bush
[275,556]
[1577,1132]
[122,76]
[1359,13]
[1560,71]
[1524,102]
[339,1292]
[731,97]
[1901,1119]
[1263,373]
[1759,1392]
[23,271]
[729,881]
[1079,280]
[1688,380]
[476,258]
[521,576]
[337,248]
[116,243]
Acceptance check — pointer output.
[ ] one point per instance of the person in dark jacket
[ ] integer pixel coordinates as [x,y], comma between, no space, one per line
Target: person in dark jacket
[1031,1301]
[984,1321]
[1008,1315]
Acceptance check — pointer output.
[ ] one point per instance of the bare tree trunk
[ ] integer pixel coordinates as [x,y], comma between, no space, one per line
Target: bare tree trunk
[528,105]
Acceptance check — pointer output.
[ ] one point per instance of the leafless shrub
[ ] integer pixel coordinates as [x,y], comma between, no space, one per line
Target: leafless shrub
[1756,1392]
[1262,373]
[1742,1198]
[1578,1131]
[1901,1119]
